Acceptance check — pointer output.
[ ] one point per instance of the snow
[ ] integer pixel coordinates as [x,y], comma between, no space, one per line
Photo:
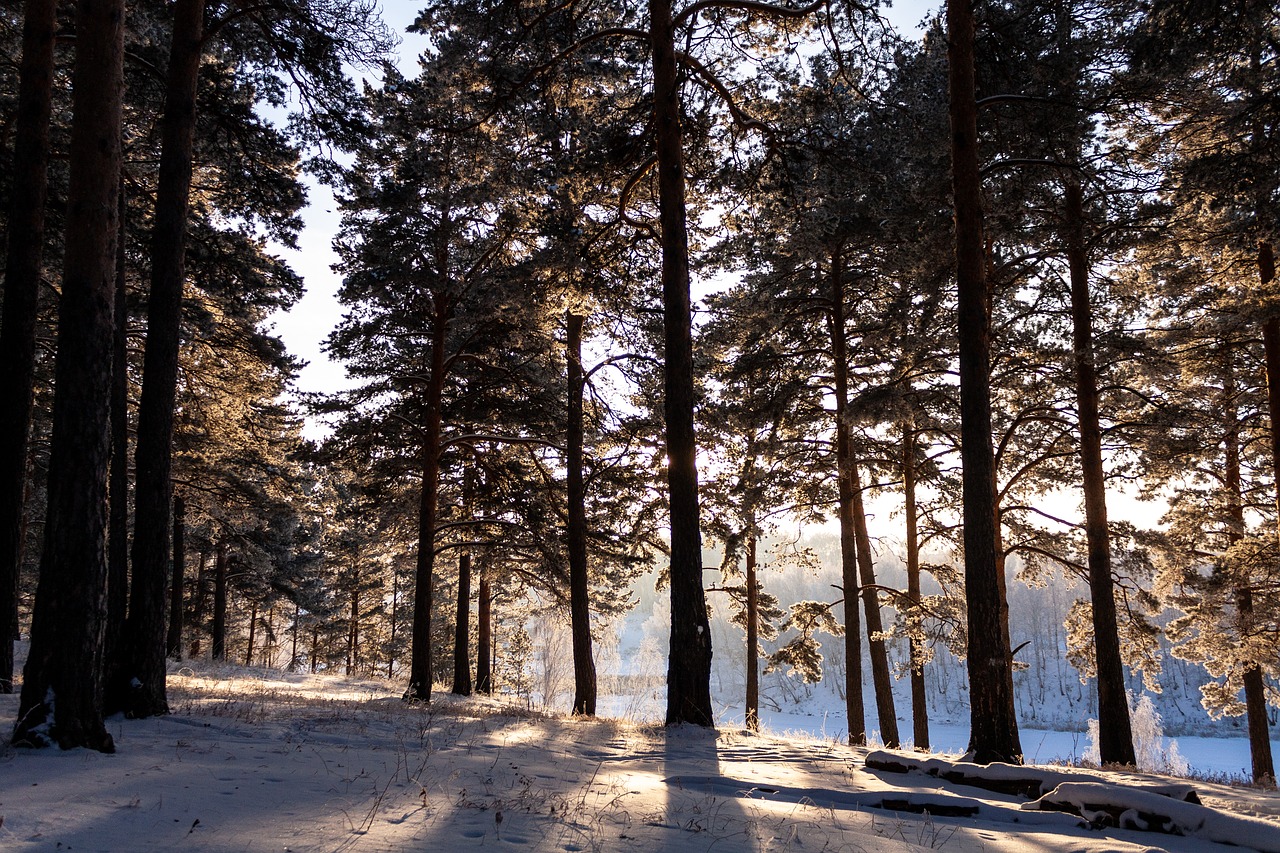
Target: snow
[261,760]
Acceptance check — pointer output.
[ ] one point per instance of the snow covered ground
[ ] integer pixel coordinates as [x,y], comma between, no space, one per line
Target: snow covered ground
[257,760]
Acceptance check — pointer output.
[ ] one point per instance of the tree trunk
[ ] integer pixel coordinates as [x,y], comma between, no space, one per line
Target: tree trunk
[584,667]
[689,670]
[848,529]
[118,527]
[153,455]
[61,699]
[197,609]
[293,652]
[1254,688]
[218,644]
[993,724]
[919,710]
[462,629]
[484,634]
[420,656]
[21,300]
[1115,739]
[179,577]
[353,629]
[395,621]
[253,627]
[753,636]
[880,675]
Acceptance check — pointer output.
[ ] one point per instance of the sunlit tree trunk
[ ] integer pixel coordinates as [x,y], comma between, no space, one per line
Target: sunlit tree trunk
[218,643]
[118,526]
[462,628]
[753,634]
[993,725]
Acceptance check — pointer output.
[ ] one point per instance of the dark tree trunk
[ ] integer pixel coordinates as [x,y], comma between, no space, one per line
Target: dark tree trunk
[1115,740]
[420,656]
[919,710]
[395,621]
[881,678]
[253,625]
[584,667]
[1254,688]
[845,511]
[218,643]
[61,701]
[462,629]
[197,607]
[153,455]
[21,298]
[993,725]
[689,670]
[753,636]
[118,526]
[484,634]
[353,630]
[179,577]
[293,652]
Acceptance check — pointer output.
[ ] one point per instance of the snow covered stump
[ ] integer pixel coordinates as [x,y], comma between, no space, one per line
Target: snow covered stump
[1102,804]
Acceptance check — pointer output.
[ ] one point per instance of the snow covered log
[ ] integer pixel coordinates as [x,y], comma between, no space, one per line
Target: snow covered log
[1029,782]
[1115,805]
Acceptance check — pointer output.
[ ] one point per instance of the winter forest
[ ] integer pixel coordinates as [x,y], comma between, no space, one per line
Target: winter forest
[732,356]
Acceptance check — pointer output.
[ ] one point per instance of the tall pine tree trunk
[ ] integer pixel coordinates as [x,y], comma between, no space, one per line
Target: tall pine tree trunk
[218,642]
[419,688]
[153,490]
[919,709]
[118,526]
[1254,688]
[484,633]
[689,669]
[462,628]
[881,679]
[753,634]
[845,510]
[25,231]
[584,667]
[1115,738]
[61,701]
[993,724]
[353,628]
[174,641]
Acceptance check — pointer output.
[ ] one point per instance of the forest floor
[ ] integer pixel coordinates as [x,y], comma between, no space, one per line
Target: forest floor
[259,760]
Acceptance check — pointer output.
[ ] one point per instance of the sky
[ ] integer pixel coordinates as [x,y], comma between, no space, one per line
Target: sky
[305,326]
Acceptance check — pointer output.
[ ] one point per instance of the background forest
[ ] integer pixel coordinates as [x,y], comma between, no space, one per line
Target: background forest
[651,295]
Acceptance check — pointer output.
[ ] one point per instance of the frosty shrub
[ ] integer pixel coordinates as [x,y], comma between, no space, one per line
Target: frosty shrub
[1148,741]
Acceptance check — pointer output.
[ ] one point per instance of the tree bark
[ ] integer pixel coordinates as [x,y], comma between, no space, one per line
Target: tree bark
[1115,736]
[462,628]
[61,699]
[253,626]
[881,679]
[753,636]
[854,707]
[584,667]
[21,301]
[197,607]
[919,709]
[993,724]
[218,644]
[689,669]
[484,634]
[1254,689]
[419,688]
[353,628]
[153,490]
[118,525]
[176,588]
